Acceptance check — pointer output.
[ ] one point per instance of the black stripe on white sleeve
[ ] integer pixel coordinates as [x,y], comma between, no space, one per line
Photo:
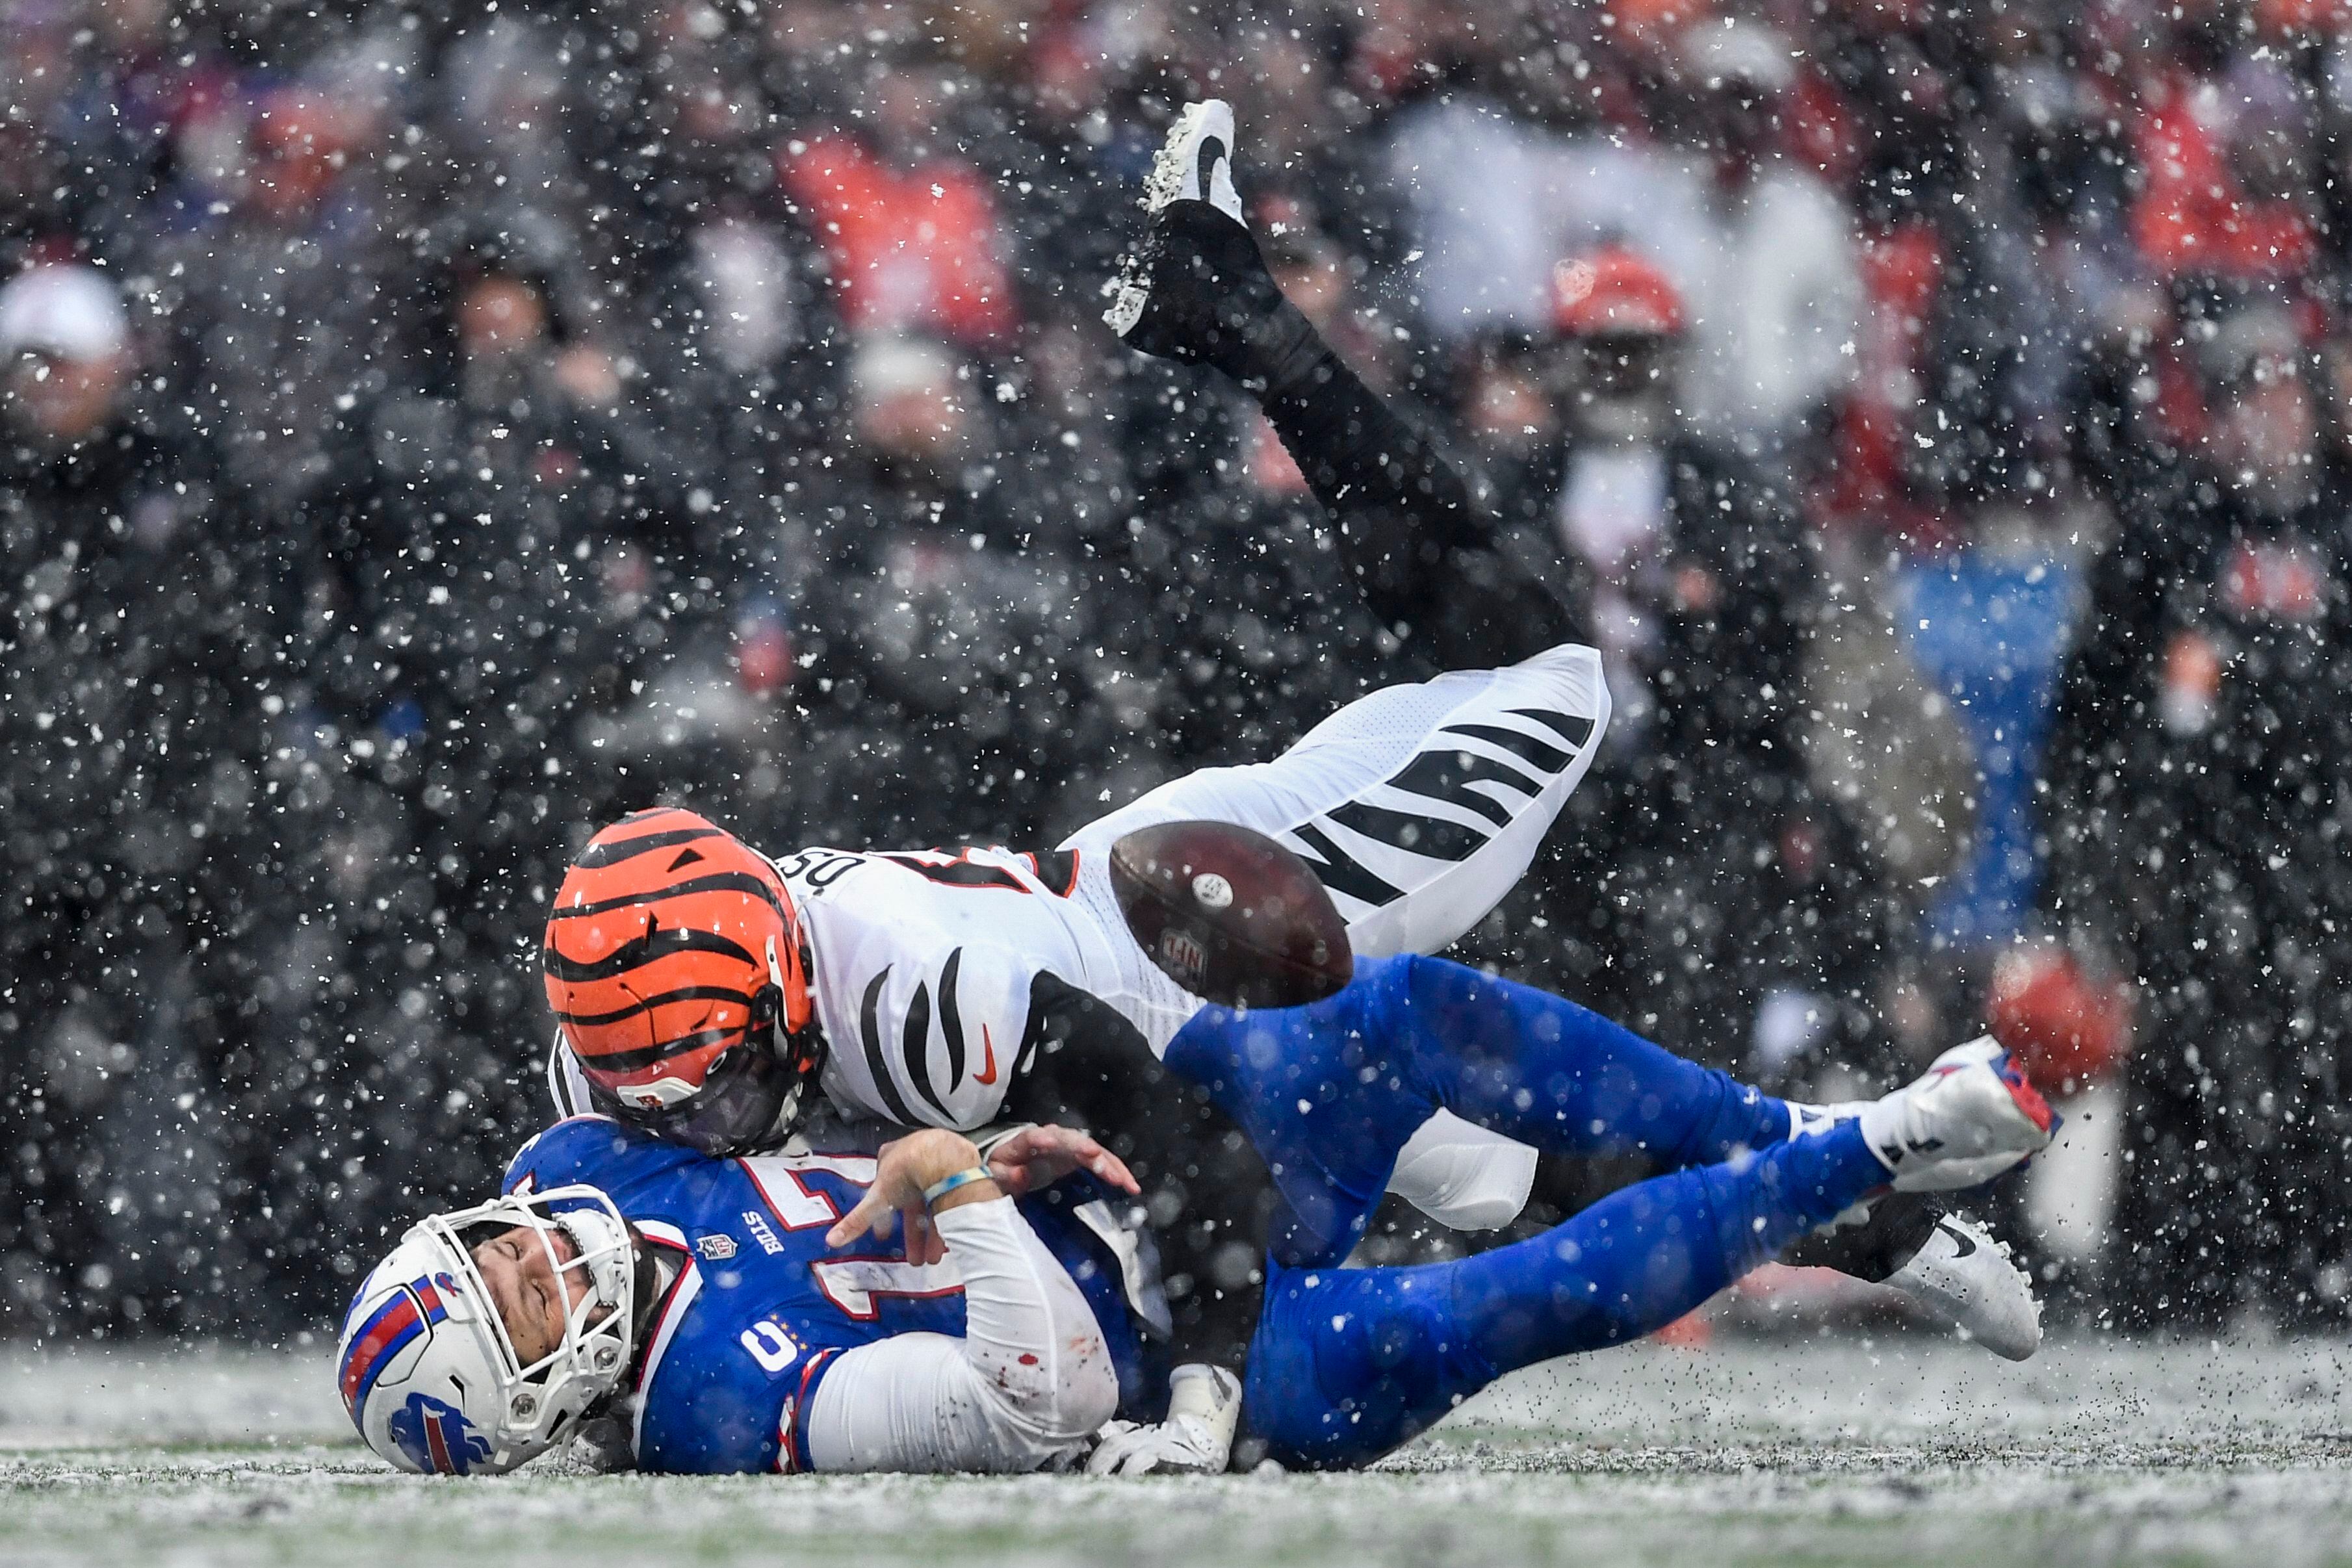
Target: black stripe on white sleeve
[559,1082]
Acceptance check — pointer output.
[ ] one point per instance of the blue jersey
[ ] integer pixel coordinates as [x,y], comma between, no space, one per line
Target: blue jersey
[1347,1363]
[760,1306]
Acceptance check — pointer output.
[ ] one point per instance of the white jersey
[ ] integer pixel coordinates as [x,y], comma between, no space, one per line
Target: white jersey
[924,962]
[1419,806]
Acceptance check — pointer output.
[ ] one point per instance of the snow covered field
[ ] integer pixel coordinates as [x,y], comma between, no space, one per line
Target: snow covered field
[1893,1450]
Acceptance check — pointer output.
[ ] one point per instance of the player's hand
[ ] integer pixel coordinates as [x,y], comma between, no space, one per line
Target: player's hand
[1184,1446]
[1204,1407]
[924,1244]
[904,1168]
[1035,1157]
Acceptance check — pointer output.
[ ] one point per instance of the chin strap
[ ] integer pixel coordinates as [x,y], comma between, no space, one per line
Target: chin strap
[803,1051]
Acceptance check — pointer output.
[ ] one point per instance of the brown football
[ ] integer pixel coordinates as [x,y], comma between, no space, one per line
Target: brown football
[1230,915]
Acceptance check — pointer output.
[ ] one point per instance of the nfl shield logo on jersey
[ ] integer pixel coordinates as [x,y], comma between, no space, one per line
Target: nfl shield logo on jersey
[716,1247]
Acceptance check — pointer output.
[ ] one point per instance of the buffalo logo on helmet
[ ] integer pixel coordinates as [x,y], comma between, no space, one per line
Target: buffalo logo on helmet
[437,1438]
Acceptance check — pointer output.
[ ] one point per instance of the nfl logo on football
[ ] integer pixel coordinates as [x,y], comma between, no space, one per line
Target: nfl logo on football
[1183,954]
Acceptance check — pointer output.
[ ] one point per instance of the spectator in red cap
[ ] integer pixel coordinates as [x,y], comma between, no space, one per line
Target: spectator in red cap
[1614,294]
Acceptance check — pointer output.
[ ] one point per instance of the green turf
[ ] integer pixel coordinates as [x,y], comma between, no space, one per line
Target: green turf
[1833,1451]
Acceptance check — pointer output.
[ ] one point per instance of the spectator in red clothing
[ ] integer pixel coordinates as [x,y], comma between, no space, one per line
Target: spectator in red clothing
[2227,163]
[913,234]
[1903,268]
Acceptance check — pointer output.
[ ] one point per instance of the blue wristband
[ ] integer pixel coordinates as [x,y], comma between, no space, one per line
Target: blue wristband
[947,1184]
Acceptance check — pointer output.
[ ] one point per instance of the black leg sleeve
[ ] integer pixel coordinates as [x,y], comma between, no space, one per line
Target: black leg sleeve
[1899,1226]
[1206,1190]
[1417,536]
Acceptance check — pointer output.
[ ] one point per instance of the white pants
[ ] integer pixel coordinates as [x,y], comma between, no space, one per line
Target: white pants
[1420,806]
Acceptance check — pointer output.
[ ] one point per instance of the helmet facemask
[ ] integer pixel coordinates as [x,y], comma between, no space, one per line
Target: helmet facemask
[538,1404]
[752,1094]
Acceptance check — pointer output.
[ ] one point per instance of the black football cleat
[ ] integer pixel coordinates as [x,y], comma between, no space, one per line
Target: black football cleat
[1198,283]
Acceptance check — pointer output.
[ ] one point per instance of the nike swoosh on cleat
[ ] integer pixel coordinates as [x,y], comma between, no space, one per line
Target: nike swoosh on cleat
[987,1075]
[1212,153]
[1960,1238]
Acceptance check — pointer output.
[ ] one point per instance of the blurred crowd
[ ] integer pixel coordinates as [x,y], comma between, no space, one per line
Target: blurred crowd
[429,430]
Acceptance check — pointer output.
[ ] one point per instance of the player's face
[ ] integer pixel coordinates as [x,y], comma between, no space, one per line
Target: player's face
[532,1296]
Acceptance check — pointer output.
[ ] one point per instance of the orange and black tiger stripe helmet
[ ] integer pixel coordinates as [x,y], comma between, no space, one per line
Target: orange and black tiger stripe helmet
[672,943]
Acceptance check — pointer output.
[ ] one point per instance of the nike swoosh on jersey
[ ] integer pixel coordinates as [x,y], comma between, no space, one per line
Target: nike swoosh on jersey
[989,1047]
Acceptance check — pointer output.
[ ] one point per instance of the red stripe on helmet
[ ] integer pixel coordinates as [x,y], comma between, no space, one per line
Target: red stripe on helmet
[393,1326]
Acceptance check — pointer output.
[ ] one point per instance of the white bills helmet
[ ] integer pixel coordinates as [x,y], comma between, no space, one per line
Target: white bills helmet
[429,1372]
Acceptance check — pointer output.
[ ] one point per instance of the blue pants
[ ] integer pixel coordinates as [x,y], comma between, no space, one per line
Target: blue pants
[1346,1363]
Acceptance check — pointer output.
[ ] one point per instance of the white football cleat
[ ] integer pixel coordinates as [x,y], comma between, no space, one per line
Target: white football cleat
[1196,162]
[1952,1269]
[1970,1117]
[1965,1279]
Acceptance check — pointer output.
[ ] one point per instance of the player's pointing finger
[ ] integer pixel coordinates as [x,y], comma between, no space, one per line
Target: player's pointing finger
[1108,1166]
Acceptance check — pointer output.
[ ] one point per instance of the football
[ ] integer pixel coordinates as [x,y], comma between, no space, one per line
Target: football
[1230,915]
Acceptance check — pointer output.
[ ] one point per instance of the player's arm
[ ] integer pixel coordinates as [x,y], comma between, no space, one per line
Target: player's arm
[1031,1379]
[1206,1189]
[1085,1065]
[1001,1040]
